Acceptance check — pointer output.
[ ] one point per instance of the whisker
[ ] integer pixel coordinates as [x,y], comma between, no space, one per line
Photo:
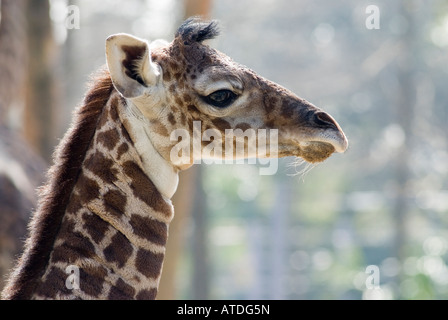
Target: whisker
[301,168]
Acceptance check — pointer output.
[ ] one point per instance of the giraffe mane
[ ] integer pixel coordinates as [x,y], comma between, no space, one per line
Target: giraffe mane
[195,29]
[55,194]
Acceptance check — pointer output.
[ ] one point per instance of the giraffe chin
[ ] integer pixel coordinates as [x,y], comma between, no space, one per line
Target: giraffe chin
[316,151]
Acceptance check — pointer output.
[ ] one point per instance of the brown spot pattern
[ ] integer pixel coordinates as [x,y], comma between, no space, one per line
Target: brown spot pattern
[92,280]
[115,203]
[102,167]
[74,204]
[178,101]
[149,263]
[95,226]
[149,229]
[144,189]
[89,190]
[119,250]
[171,119]
[113,110]
[192,109]
[183,119]
[187,98]
[166,76]
[122,149]
[109,138]
[147,294]
[75,246]
[121,291]
[54,283]
[159,128]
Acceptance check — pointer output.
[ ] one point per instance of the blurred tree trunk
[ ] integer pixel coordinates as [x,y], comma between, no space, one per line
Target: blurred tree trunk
[405,102]
[201,266]
[197,8]
[183,201]
[41,94]
[277,230]
[13,60]
[21,171]
[187,198]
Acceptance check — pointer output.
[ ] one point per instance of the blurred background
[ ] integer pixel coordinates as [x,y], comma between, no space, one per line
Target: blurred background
[368,224]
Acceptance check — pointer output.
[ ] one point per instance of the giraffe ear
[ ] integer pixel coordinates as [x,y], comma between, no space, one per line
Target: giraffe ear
[130,66]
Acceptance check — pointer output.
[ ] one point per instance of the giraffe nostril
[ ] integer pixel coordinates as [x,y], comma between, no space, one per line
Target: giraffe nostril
[323,119]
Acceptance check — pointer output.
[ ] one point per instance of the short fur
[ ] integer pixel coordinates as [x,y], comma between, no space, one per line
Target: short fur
[54,196]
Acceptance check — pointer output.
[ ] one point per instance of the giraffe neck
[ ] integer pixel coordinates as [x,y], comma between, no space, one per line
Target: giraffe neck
[115,227]
[112,235]
[158,169]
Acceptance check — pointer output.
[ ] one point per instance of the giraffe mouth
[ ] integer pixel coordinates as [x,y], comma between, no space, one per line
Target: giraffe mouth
[316,151]
[316,148]
[323,145]
[310,151]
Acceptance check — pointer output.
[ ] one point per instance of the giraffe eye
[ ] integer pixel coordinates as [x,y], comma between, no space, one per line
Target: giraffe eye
[220,98]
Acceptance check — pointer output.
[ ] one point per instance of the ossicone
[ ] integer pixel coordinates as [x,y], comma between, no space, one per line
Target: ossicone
[198,30]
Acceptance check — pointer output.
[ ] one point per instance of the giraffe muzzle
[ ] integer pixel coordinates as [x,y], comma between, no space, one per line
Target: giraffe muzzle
[332,133]
[325,138]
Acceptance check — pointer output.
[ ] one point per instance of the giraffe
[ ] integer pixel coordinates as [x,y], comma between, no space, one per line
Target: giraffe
[103,215]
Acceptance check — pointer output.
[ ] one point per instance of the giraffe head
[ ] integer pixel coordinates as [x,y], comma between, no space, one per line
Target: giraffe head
[174,84]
